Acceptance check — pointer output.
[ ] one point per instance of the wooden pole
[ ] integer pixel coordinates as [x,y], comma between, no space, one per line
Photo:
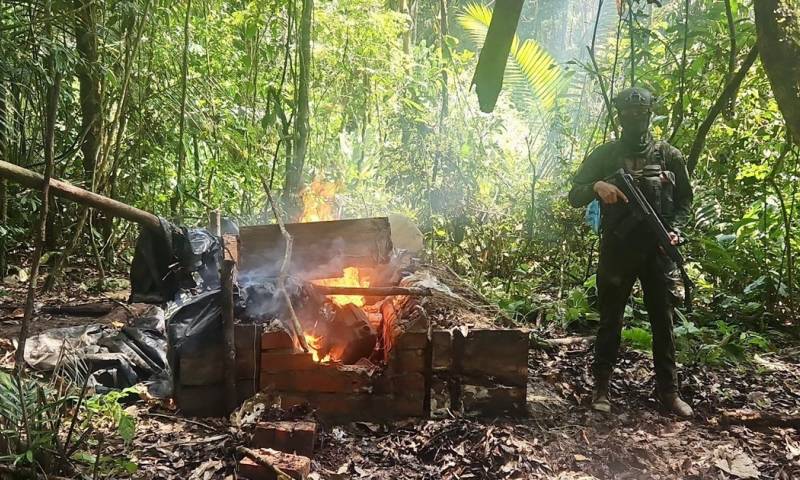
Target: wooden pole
[373,291]
[215,222]
[106,205]
[226,278]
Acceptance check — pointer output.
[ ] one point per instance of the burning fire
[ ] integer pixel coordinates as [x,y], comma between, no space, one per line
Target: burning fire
[314,343]
[318,201]
[351,278]
[319,205]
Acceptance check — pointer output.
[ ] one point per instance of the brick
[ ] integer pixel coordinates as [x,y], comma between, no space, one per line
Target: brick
[207,366]
[201,401]
[442,350]
[402,384]
[288,437]
[336,407]
[407,361]
[247,364]
[202,367]
[419,324]
[501,354]
[286,362]
[276,339]
[296,466]
[324,378]
[441,404]
[247,336]
[246,388]
[492,400]
[411,341]
[209,400]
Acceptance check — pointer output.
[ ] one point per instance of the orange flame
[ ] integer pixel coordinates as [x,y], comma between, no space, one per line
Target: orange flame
[314,344]
[351,278]
[318,201]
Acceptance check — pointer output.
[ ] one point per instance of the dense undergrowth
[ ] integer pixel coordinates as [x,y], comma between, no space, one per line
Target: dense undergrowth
[395,128]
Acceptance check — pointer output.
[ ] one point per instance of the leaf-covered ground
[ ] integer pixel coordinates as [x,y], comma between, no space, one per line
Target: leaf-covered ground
[560,438]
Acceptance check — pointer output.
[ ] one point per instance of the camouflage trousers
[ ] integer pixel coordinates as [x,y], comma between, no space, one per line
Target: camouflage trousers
[622,261]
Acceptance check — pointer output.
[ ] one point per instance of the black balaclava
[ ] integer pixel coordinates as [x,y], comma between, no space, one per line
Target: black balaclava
[634,106]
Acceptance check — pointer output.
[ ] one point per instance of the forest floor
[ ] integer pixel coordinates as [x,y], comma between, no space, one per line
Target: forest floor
[560,438]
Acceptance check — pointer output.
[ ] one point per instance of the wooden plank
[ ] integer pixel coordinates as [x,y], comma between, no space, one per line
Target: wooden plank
[320,249]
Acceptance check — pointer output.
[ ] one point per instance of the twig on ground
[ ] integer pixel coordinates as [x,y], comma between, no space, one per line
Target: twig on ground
[261,460]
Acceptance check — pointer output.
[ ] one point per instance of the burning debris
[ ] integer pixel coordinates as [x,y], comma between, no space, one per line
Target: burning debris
[352,324]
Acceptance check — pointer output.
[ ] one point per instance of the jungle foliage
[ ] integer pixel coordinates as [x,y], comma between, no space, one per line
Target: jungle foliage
[182,107]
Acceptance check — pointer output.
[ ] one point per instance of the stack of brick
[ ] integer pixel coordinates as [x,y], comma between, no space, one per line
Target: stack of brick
[345,392]
[200,374]
[484,373]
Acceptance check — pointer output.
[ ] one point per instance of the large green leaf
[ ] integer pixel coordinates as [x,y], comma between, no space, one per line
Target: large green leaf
[531,64]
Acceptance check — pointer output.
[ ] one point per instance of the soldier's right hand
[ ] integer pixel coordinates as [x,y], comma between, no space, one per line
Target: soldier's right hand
[609,193]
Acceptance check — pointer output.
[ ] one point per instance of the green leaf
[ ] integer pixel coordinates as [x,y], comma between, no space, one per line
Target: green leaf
[531,64]
[127,427]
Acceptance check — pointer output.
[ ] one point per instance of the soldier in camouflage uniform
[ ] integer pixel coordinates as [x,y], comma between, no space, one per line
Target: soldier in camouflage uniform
[629,250]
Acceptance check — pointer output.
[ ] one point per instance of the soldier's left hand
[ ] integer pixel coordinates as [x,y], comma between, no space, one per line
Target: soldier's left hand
[674,238]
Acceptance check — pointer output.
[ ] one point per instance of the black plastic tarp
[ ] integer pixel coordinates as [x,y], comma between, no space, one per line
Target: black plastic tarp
[173,259]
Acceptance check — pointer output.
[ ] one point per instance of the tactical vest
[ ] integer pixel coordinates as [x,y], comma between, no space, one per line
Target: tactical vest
[656,182]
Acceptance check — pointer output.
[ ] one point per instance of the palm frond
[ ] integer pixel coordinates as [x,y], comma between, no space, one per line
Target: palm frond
[531,65]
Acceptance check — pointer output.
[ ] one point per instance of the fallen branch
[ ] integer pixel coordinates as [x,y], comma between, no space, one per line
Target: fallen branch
[373,291]
[759,419]
[550,343]
[569,340]
[264,462]
[97,309]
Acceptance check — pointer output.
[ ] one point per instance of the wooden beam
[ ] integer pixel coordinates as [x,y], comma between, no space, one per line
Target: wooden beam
[114,208]
[320,249]
[373,291]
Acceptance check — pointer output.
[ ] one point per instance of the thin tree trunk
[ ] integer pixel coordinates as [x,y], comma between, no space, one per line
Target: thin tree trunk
[55,272]
[53,91]
[177,199]
[778,30]
[730,90]
[445,53]
[4,142]
[728,112]
[294,166]
[90,99]
[226,279]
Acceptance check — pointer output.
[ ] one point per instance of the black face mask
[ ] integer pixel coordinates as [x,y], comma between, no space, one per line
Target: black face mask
[635,125]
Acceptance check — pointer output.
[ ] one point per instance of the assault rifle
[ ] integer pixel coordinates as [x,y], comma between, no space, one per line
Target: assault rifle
[642,210]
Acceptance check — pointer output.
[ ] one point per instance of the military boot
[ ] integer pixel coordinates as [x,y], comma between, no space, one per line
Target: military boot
[600,401]
[672,402]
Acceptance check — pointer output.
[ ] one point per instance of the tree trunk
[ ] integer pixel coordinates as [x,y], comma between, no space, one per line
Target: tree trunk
[177,199]
[90,101]
[48,137]
[87,71]
[778,29]
[727,93]
[3,187]
[445,54]
[294,165]
[226,279]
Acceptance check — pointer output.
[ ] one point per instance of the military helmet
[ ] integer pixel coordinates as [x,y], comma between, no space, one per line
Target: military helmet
[634,97]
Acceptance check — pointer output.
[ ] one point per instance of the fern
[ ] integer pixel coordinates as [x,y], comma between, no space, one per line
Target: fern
[531,65]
